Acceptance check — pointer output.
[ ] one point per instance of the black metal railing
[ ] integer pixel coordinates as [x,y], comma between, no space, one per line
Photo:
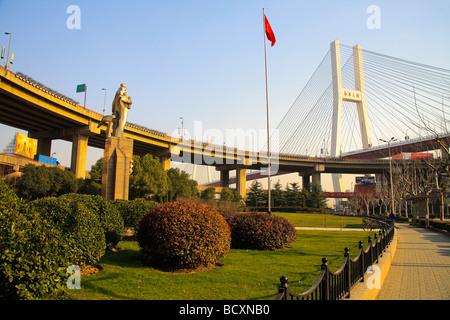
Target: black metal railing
[338,285]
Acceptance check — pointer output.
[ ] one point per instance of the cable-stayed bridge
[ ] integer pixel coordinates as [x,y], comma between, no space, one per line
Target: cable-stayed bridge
[354,99]
[403,99]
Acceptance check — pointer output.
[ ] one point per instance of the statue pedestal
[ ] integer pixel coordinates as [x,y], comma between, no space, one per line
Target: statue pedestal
[116,168]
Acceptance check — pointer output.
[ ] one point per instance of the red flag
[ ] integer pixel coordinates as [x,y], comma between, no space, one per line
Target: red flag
[269,32]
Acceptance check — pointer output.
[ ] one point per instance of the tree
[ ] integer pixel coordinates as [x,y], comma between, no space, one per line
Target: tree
[180,185]
[93,184]
[293,195]
[278,195]
[317,199]
[97,171]
[226,195]
[255,195]
[148,179]
[306,198]
[237,197]
[41,181]
[208,194]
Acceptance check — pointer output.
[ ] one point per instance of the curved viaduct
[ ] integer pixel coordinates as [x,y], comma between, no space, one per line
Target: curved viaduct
[47,115]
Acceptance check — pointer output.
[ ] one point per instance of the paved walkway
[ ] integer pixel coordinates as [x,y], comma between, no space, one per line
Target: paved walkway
[420,269]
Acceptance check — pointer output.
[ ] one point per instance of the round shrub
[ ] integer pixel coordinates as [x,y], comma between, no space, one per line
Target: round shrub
[30,265]
[82,236]
[227,214]
[260,231]
[132,211]
[110,217]
[183,235]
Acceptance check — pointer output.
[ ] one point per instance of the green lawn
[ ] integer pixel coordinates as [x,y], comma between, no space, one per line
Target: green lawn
[246,274]
[321,220]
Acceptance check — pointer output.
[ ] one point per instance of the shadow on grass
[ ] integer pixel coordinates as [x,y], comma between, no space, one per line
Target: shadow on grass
[126,258]
[352,226]
[91,284]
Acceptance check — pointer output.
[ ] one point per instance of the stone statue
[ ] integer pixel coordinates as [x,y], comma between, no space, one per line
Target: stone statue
[120,106]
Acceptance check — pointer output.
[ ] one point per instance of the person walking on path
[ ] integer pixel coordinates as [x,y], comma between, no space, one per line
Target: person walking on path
[420,269]
[392,216]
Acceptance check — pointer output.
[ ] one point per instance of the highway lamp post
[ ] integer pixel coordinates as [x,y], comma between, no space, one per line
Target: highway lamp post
[9,46]
[390,172]
[182,128]
[104,101]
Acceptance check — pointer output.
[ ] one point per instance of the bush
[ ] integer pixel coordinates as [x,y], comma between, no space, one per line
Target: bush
[41,181]
[260,231]
[109,215]
[132,211]
[227,214]
[29,249]
[82,236]
[208,194]
[183,234]
[444,225]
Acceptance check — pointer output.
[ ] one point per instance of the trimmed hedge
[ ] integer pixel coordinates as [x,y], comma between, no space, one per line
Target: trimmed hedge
[132,211]
[31,263]
[183,235]
[260,231]
[289,209]
[438,224]
[108,214]
[82,235]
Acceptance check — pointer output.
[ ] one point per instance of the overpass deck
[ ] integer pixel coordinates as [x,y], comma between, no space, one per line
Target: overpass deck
[46,116]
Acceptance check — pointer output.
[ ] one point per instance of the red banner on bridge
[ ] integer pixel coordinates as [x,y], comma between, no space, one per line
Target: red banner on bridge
[338,194]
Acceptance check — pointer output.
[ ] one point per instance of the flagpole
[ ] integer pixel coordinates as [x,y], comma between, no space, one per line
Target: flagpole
[267,114]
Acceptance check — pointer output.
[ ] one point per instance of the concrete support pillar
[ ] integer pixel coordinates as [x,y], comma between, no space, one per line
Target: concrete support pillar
[316,179]
[306,181]
[318,168]
[225,178]
[241,181]
[165,162]
[79,154]
[44,146]
[165,157]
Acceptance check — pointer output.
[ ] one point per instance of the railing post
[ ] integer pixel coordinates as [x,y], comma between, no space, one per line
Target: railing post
[361,256]
[325,290]
[370,251]
[284,288]
[382,240]
[348,271]
[375,239]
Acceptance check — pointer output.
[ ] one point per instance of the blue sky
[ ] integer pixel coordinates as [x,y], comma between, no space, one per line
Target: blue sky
[204,60]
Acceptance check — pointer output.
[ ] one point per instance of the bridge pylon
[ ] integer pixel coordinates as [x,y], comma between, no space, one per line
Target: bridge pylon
[340,95]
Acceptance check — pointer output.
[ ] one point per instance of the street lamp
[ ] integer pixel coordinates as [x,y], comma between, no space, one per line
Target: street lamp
[104,102]
[9,46]
[182,128]
[390,171]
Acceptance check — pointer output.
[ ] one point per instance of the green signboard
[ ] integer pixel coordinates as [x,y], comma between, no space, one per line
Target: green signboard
[81,88]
